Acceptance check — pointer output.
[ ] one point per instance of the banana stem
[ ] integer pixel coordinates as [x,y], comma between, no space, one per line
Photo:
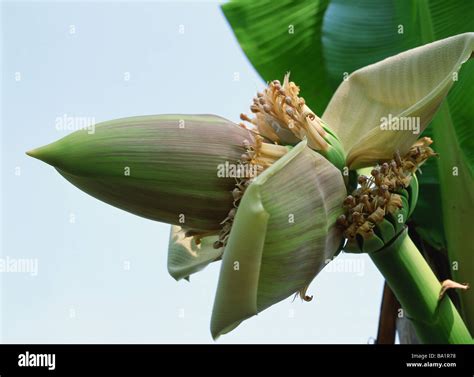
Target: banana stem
[417,289]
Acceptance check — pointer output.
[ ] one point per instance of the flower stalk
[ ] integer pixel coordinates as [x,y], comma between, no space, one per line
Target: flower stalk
[436,320]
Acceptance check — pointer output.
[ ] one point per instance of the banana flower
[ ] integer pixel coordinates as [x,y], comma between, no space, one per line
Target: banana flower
[269,197]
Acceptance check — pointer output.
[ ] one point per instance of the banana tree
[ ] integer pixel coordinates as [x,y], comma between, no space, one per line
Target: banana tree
[280,194]
[322,42]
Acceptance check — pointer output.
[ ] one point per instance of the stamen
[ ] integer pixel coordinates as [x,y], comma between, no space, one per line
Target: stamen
[283,117]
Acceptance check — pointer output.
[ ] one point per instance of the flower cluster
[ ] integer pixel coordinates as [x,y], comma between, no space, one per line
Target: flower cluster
[261,155]
[379,194]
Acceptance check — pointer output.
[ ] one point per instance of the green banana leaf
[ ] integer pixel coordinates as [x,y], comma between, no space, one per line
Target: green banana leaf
[330,40]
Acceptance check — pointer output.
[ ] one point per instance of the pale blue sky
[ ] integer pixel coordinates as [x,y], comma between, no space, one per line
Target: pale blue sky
[83,291]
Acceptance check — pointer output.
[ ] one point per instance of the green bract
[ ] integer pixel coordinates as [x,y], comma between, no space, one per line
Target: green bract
[283,235]
[162,167]
[185,257]
[385,106]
